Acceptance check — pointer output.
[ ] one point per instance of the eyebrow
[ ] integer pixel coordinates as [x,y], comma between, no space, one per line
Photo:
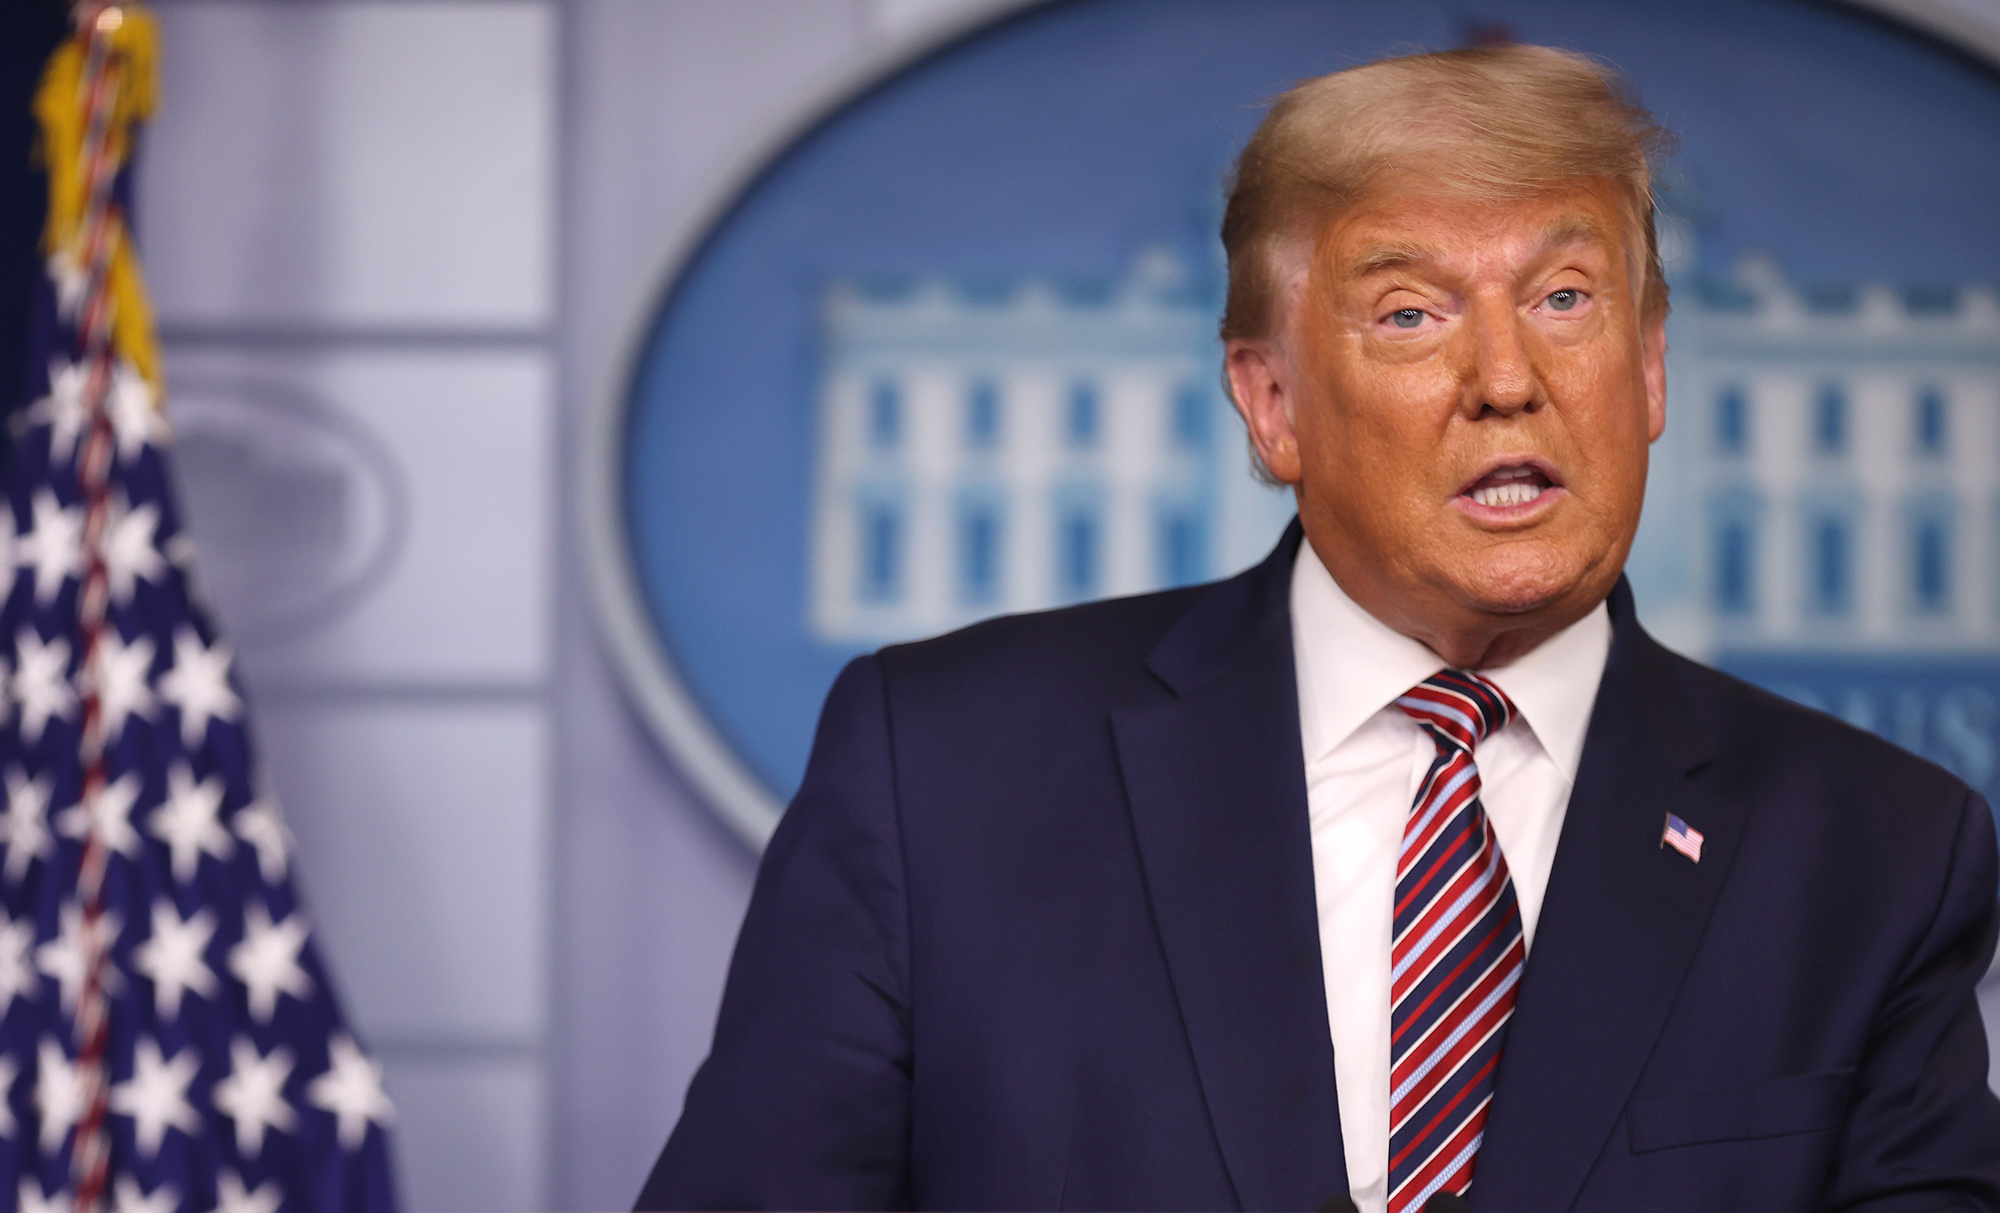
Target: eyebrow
[1376,258]
[1573,229]
[1395,255]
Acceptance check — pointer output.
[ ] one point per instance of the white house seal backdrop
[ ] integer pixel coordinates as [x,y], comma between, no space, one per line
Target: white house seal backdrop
[950,351]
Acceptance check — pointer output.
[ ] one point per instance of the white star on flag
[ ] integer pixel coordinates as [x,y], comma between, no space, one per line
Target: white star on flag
[53,546]
[231,1198]
[352,1090]
[24,826]
[131,553]
[17,976]
[62,408]
[189,822]
[260,825]
[32,1200]
[71,282]
[267,961]
[198,684]
[7,560]
[57,1093]
[253,1094]
[155,1097]
[41,682]
[9,1071]
[122,686]
[135,411]
[106,816]
[132,1199]
[172,958]
[67,959]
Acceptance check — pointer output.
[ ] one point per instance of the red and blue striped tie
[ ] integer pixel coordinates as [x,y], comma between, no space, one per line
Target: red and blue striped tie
[1457,952]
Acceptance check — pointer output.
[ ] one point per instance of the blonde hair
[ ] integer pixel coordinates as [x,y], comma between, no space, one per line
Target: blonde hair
[1493,123]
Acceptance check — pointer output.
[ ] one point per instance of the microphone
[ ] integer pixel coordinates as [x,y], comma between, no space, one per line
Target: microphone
[1338,1203]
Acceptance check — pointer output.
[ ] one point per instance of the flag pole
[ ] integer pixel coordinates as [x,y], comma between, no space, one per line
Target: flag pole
[94,245]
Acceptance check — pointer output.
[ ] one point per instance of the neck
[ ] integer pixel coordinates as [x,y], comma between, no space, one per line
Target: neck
[1480,648]
[1465,636]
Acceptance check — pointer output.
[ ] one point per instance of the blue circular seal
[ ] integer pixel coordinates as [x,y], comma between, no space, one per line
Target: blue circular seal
[946,349]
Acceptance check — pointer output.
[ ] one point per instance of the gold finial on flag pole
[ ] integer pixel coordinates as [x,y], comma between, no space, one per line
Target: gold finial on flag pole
[96,91]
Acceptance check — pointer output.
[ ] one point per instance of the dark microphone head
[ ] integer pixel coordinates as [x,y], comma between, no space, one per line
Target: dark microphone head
[1339,1203]
[1447,1202]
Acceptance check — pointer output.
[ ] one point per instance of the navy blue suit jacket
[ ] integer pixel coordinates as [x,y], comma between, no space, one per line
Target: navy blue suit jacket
[1039,932]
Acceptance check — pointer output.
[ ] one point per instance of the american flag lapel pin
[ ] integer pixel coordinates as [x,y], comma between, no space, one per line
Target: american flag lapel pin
[1681,837]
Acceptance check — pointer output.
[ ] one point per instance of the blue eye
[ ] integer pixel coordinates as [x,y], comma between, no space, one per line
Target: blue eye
[1564,300]
[1407,318]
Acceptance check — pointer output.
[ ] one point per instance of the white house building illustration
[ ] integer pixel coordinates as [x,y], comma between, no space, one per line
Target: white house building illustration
[1831,484]
[1023,445]
[1841,467]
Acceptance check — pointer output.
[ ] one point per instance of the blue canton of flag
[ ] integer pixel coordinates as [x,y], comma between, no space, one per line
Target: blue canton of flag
[169,1038]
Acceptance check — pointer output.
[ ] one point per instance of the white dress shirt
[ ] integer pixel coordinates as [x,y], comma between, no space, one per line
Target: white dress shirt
[1364,760]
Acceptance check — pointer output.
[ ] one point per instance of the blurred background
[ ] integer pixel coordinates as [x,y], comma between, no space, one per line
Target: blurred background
[401,251]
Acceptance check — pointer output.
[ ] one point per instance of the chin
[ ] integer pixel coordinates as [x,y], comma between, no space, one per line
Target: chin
[1516,582]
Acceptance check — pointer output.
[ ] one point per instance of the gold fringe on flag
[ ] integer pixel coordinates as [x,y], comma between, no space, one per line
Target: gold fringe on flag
[62,108]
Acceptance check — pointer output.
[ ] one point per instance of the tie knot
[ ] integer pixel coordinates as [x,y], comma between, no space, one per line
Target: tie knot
[1458,708]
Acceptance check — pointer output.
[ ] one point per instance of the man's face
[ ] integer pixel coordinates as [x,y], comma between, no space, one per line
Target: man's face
[1464,397]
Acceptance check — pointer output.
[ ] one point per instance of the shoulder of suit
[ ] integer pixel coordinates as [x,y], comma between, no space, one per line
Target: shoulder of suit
[1766,737]
[1098,642]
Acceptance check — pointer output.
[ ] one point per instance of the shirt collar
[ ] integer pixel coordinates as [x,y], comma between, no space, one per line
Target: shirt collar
[1351,665]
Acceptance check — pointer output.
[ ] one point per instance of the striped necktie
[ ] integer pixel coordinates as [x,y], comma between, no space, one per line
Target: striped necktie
[1457,952]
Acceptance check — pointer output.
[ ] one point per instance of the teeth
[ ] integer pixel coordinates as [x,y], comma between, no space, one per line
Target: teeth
[1513,493]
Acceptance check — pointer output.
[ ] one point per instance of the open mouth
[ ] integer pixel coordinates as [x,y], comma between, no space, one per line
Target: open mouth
[1513,485]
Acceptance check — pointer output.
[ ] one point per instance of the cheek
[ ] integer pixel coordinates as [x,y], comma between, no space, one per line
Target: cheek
[1371,409]
[1604,401]
[1359,446]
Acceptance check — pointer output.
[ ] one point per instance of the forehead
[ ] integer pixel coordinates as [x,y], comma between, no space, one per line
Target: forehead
[1426,224]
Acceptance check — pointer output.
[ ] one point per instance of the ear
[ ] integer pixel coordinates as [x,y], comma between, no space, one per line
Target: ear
[1261,384]
[1654,335]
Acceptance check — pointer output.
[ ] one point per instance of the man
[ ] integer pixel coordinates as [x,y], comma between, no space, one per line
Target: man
[1405,866]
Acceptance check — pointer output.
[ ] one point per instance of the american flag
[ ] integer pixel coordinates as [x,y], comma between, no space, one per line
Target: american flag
[1681,837]
[169,1038]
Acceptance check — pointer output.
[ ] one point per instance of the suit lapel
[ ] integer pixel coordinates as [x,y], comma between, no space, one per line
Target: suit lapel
[1217,790]
[1619,926]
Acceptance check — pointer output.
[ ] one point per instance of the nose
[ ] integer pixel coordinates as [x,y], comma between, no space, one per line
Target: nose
[1501,376]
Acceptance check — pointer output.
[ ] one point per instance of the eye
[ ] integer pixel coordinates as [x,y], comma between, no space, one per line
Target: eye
[1565,299]
[1407,318]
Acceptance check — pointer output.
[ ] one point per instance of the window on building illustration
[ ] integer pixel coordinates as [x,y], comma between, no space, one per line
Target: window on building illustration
[1080,420]
[1183,547]
[1830,421]
[979,553]
[885,415]
[1077,554]
[1931,421]
[982,415]
[1190,419]
[1735,567]
[1732,420]
[1832,565]
[1930,564]
[881,552]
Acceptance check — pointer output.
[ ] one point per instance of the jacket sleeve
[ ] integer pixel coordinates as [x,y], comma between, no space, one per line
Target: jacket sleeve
[1923,1130]
[803,1102]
